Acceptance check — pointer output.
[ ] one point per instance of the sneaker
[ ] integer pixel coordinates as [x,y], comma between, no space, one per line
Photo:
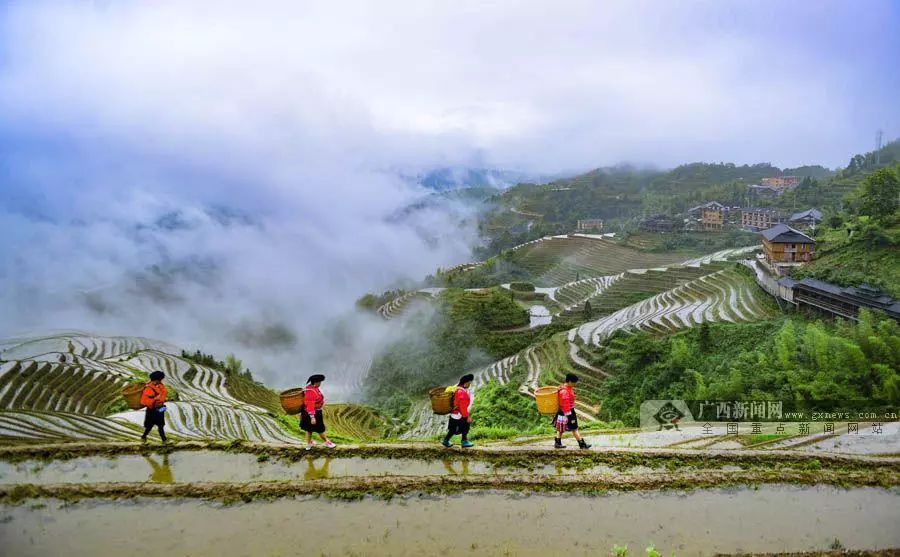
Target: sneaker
[558,445]
[329,445]
[310,446]
[446,443]
[467,444]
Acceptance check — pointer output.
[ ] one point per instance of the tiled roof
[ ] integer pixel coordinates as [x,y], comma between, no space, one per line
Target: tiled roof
[783,233]
[809,213]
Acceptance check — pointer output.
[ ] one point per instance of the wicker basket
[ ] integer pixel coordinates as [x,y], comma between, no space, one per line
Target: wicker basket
[292,400]
[132,395]
[547,400]
[441,400]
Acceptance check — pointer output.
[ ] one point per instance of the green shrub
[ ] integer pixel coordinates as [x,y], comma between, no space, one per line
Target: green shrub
[503,412]
[522,286]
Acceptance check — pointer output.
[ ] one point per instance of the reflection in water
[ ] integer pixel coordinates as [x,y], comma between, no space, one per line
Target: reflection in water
[450,465]
[162,473]
[313,473]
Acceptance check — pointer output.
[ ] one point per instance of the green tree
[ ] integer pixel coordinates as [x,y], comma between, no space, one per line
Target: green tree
[232,364]
[588,311]
[880,194]
[786,346]
[703,337]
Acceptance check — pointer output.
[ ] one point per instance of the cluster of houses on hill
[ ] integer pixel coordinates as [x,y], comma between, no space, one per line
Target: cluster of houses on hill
[785,245]
[785,248]
[769,188]
[716,217]
[784,239]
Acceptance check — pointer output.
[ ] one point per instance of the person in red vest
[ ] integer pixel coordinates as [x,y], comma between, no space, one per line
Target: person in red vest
[460,419]
[566,419]
[153,398]
[311,420]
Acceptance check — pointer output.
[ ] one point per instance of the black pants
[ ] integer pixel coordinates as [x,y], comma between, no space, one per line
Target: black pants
[457,427]
[153,417]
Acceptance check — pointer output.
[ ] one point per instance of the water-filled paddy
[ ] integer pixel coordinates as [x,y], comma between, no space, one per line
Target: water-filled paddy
[701,522]
[219,466]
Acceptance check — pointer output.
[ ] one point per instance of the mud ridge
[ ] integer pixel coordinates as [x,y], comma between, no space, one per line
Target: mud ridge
[506,455]
[388,486]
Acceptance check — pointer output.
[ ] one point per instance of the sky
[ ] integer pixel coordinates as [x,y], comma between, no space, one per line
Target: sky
[220,173]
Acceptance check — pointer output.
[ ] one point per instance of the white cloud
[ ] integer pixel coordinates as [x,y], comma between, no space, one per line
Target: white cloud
[291,111]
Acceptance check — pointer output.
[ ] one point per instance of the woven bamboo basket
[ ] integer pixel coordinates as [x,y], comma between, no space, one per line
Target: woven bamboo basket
[292,400]
[441,400]
[132,395]
[547,400]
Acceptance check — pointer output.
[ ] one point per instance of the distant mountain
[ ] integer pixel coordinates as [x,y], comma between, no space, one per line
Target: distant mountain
[451,178]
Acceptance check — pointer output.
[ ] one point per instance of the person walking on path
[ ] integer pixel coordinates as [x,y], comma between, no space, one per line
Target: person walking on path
[566,419]
[460,419]
[153,398]
[311,420]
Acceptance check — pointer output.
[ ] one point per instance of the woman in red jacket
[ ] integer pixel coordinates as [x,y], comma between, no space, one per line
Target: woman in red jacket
[460,419]
[153,398]
[311,420]
[566,419]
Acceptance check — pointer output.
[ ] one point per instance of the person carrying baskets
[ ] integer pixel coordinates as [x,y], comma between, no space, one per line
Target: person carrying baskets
[311,420]
[153,398]
[566,419]
[460,419]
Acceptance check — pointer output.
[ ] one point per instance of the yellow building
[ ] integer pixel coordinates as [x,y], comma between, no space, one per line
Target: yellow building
[712,218]
[781,182]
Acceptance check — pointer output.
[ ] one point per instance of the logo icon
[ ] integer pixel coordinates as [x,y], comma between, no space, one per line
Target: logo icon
[668,416]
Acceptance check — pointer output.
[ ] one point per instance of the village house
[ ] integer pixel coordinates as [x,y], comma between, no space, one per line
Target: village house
[836,300]
[759,219]
[589,225]
[785,247]
[659,223]
[806,220]
[695,211]
[713,217]
[757,191]
[781,182]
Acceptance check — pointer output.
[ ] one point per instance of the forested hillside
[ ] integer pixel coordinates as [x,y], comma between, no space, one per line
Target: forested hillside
[624,194]
[862,244]
[780,359]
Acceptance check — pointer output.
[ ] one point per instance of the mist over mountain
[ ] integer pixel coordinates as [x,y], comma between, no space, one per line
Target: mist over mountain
[207,174]
[447,178]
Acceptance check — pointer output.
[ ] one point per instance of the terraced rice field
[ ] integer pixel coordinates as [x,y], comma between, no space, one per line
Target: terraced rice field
[78,344]
[31,426]
[499,371]
[574,294]
[198,420]
[396,307]
[548,363]
[64,387]
[354,421]
[422,423]
[722,296]
[43,386]
[687,296]
[560,260]
[721,255]
[203,384]
[632,286]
